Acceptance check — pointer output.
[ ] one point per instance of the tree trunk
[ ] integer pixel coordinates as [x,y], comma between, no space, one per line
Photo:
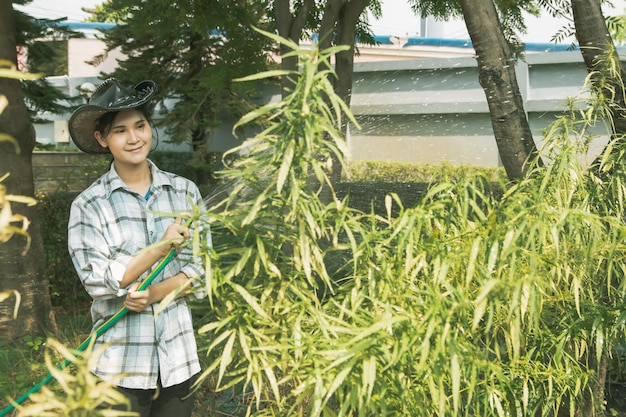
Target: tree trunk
[496,68]
[592,398]
[329,23]
[596,46]
[22,272]
[344,63]
[598,51]
[290,27]
[338,26]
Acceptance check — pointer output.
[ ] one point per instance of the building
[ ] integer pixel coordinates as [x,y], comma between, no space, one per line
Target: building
[417,99]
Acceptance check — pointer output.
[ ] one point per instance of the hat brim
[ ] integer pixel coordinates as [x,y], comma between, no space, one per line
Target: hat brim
[82,123]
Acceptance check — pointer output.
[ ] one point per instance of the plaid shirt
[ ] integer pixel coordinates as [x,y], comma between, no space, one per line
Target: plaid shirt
[108,224]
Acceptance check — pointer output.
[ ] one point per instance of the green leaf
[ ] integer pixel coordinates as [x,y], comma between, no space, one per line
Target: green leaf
[455,373]
[285,166]
[369,377]
[251,301]
[227,355]
[263,75]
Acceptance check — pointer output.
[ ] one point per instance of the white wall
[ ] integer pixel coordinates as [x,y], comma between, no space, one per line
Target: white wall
[434,110]
[81,51]
[425,110]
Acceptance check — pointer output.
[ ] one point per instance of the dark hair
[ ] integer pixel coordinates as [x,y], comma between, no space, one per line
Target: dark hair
[104,123]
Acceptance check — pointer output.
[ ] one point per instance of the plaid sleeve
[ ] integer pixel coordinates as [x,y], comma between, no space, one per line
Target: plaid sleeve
[89,251]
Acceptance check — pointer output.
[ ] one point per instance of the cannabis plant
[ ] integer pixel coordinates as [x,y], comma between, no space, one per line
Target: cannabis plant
[479,300]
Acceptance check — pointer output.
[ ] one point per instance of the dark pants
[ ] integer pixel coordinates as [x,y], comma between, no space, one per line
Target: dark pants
[172,401]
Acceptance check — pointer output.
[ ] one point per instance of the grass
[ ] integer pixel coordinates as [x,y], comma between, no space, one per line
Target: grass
[21,365]
[22,361]
[403,172]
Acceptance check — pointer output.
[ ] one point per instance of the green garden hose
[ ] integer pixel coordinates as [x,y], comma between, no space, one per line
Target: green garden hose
[96,333]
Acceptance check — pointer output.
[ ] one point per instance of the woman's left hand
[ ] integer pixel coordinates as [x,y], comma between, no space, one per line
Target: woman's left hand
[137,300]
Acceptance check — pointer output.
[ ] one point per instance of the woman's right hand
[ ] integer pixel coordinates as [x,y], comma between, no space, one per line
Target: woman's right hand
[174,235]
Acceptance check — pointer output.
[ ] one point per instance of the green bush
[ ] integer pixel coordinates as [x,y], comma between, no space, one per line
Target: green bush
[466,303]
[175,162]
[66,290]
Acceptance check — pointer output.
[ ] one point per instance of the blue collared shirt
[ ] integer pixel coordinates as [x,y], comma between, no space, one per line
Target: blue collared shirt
[108,225]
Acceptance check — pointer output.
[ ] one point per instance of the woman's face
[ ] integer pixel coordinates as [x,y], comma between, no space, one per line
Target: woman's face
[129,139]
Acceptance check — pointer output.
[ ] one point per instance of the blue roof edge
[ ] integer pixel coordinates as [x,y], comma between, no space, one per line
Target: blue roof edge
[383,39]
[88,25]
[467,43]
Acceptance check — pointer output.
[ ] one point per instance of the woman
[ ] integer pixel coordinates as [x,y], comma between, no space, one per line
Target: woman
[111,224]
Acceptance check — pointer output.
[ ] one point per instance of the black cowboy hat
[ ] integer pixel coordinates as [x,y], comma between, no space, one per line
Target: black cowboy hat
[107,97]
